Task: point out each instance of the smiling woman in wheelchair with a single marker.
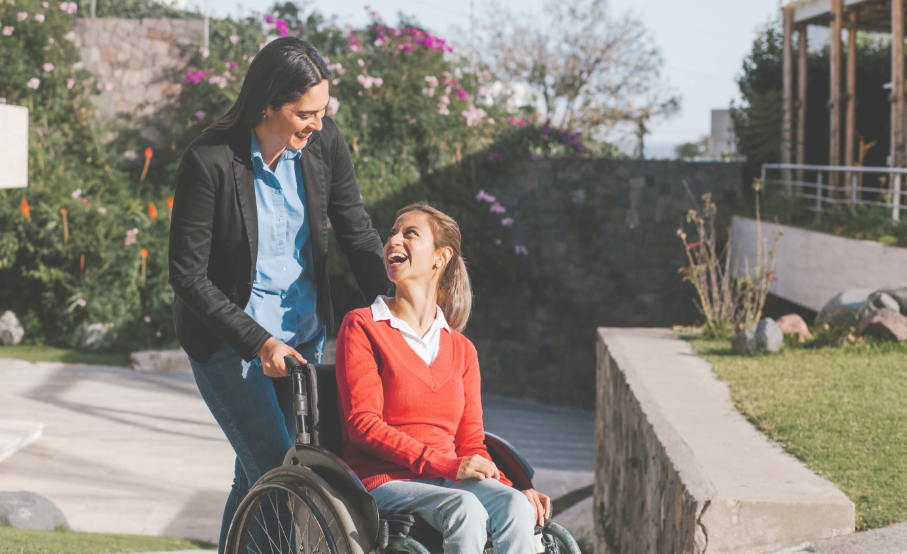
(411, 409)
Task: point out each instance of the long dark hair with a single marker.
(284, 70)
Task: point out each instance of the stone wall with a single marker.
(641, 503)
(679, 470)
(603, 251)
(139, 61)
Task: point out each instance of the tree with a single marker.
(584, 67)
(692, 150)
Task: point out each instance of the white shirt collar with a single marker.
(380, 312)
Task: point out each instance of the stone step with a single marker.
(16, 434)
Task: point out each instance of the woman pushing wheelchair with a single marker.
(411, 409)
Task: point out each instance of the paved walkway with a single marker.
(130, 452)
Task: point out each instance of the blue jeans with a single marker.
(255, 413)
(465, 512)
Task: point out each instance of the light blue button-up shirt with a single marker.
(284, 294)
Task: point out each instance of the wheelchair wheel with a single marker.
(565, 541)
(292, 510)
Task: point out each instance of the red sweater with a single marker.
(403, 419)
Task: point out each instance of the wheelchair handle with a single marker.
(300, 400)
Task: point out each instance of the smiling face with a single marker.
(290, 125)
(410, 254)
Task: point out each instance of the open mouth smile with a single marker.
(396, 258)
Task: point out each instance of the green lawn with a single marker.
(842, 411)
(29, 541)
(31, 353)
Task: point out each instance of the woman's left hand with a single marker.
(542, 505)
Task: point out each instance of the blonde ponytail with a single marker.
(454, 290)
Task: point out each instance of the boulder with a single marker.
(11, 332)
(884, 323)
(899, 294)
(28, 510)
(843, 308)
(793, 324)
(877, 301)
(762, 336)
(97, 336)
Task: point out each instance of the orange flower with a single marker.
(152, 211)
(25, 209)
(144, 259)
(148, 153)
(170, 203)
(64, 211)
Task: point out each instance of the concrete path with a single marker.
(133, 452)
(887, 540)
(16, 434)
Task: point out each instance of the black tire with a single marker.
(564, 539)
(310, 517)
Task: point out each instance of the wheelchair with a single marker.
(315, 504)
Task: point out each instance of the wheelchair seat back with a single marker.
(326, 412)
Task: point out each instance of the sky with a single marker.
(702, 42)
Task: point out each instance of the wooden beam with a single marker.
(834, 99)
(850, 135)
(788, 88)
(897, 83)
(802, 74)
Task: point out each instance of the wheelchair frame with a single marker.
(310, 451)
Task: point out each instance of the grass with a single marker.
(37, 353)
(61, 541)
(839, 410)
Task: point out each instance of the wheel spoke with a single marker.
(267, 534)
(281, 530)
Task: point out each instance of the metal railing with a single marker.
(822, 185)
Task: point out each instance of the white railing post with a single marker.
(818, 193)
(896, 200)
(853, 188)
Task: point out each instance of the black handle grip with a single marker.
(293, 364)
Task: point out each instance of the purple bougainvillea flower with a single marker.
(507, 221)
(497, 208)
(200, 114)
(497, 241)
(333, 105)
(147, 319)
(534, 158)
(462, 94)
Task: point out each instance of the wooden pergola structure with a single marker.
(871, 15)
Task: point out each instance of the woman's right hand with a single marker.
(271, 355)
(477, 467)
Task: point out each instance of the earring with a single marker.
(438, 264)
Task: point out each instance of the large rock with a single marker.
(899, 294)
(762, 336)
(11, 332)
(793, 324)
(877, 301)
(843, 308)
(27, 510)
(97, 336)
(884, 323)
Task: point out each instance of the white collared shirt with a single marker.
(426, 347)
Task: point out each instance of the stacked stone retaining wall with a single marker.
(139, 61)
(603, 251)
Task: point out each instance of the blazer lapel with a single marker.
(316, 199)
(244, 175)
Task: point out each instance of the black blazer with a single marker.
(214, 236)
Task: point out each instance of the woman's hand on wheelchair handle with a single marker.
(477, 467)
(271, 355)
(542, 504)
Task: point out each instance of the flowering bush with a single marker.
(70, 244)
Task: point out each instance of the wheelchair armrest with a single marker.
(510, 461)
